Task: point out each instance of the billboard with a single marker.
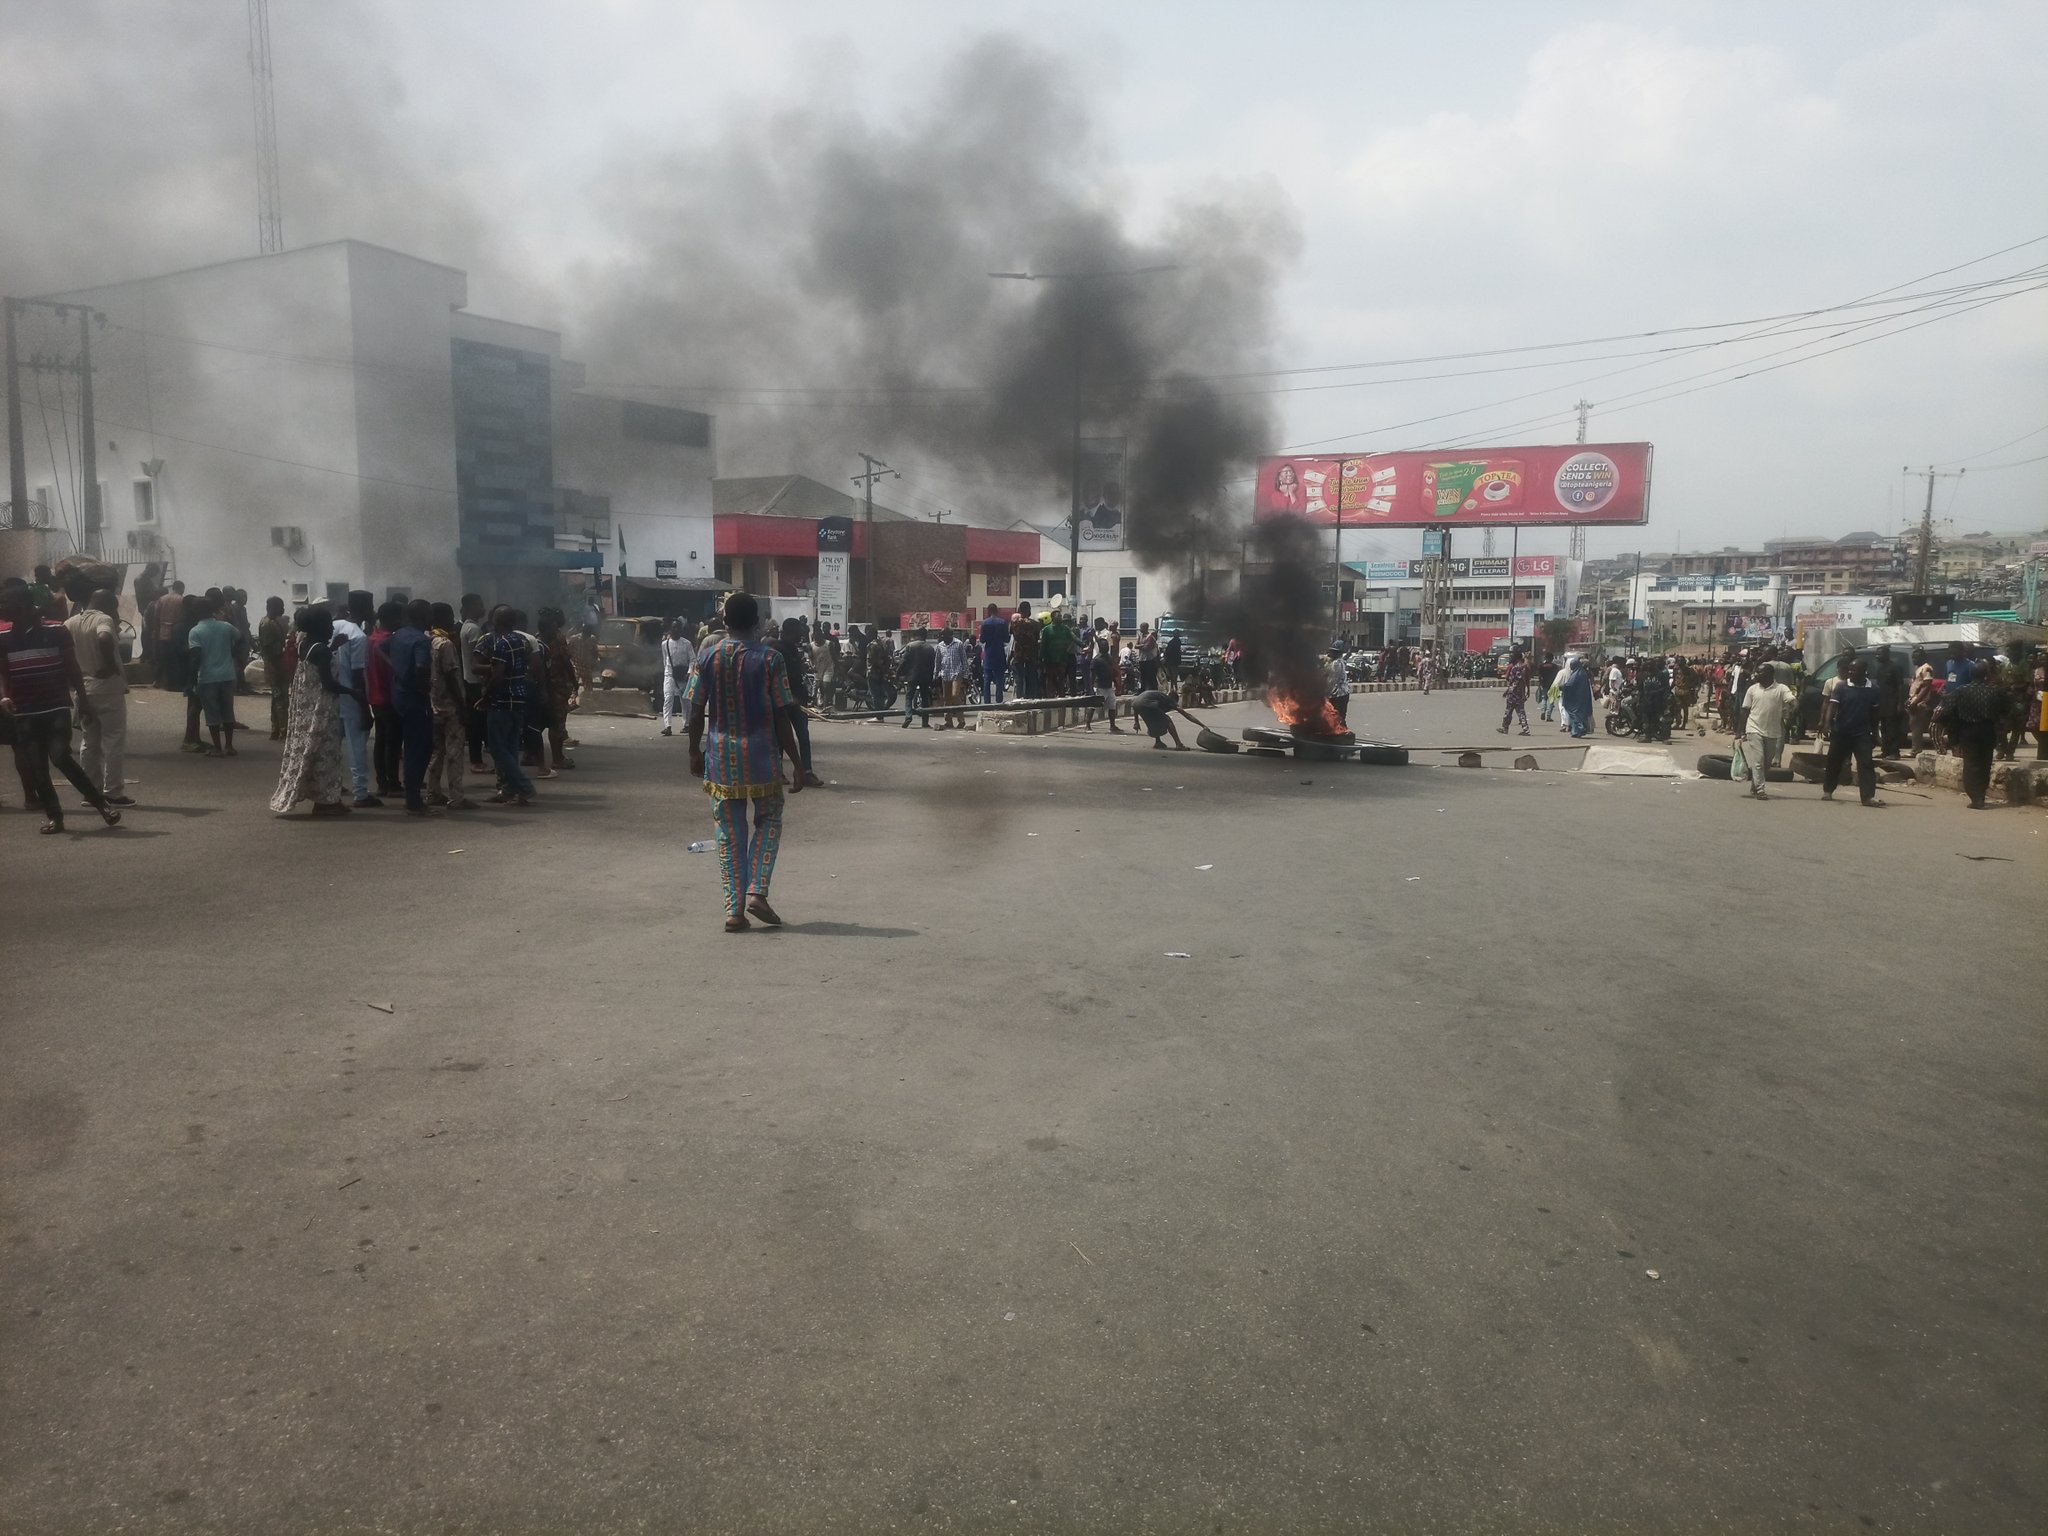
(835, 545)
(1102, 493)
(1546, 486)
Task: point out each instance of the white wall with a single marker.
(660, 492)
(206, 370)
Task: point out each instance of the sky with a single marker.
(1447, 179)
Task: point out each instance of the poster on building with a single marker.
(1548, 485)
(1102, 493)
(835, 556)
(1852, 611)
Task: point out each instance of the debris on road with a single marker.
(380, 1007)
(1204, 866)
(1178, 954)
(1653, 1274)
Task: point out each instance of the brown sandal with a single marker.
(737, 924)
(758, 905)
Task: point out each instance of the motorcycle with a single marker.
(1624, 714)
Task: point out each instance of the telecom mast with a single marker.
(269, 201)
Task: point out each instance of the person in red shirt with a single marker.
(39, 678)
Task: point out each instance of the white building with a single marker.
(303, 423)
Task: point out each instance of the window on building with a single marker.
(583, 518)
(1033, 590)
(337, 595)
(1055, 589)
(1127, 603)
(145, 503)
(664, 424)
(302, 592)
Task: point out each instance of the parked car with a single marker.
(1822, 675)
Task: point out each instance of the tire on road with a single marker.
(1384, 757)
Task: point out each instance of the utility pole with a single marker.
(269, 199)
(1074, 499)
(940, 517)
(17, 465)
(1337, 557)
(874, 469)
(88, 444)
(1585, 408)
(1926, 553)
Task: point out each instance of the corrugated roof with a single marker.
(790, 496)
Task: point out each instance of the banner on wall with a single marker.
(1102, 493)
(1551, 485)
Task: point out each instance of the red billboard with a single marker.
(1549, 486)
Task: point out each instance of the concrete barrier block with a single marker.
(2011, 783)
(1923, 767)
(1948, 771)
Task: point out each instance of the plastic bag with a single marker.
(1738, 762)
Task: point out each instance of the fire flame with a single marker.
(1308, 714)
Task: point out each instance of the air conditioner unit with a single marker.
(287, 538)
(144, 538)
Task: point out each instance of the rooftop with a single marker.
(790, 496)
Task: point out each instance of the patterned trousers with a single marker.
(747, 863)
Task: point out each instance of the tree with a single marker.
(1557, 634)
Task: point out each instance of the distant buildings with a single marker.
(333, 417)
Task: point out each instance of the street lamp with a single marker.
(1074, 510)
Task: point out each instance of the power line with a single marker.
(1999, 449)
(836, 394)
(1614, 373)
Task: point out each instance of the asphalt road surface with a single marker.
(1508, 1151)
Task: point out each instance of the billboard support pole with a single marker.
(1337, 558)
(1514, 593)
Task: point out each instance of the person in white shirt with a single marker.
(1768, 704)
(678, 660)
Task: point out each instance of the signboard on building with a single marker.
(1433, 542)
(835, 556)
(1549, 485)
(1854, 611)
(664, 570)
(936, 621)
(1102, 493)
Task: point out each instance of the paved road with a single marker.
(961, 1204)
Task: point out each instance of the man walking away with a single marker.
(995, 644)
(741, 708)
(1170, 660)
(38, 676)
(1546, 676)
(1920, 700)
(502, 657)
(678, 661)
(95, 641)
(1766, 708)
(168, 615)
(1515, 697)
(1102, 678)
(1858, 707)
(273, 632)
(1970, 713)
(918, 666)
(412, 686)
(212, 643)
(351, 666)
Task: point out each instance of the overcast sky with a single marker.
(1462, 176)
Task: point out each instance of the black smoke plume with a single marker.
(821, 278)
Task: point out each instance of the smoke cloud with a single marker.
(824, 274)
